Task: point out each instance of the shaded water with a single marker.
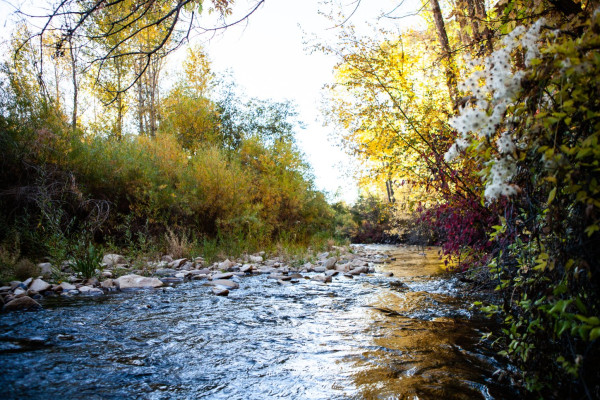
(361, 338)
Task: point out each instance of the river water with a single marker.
(359, 338)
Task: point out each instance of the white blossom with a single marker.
(494, 84)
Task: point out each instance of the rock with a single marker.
(92, 282)
(187, 266)
(24, 303)
(90, 291)
(347, 275)
(284, 282)
(113, 259)
(198, 277)
(226, 265)
(330, 263)
(177, 263)
(358, 271)
(107, 284)
(45, 269)
(220, 291)
(225, 283)
(5, 289)
(67, 286)
(399, 285)
(171, 279)
(296, 276)
(255, 259)
(321, 278)
(19, 291)
(388, 274)
(203, 271)
(320, 268)
(166, 258)
(165, 272)
(226, 275)
(136, 282)
(247, 268)
(107, 274)
(39, 285)
(266, 270)
(26, 283)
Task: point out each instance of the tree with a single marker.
(121, 22)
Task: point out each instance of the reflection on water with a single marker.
(361, 338)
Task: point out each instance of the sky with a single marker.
(269, 59)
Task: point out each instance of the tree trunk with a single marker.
(445, 45)
(75, 88)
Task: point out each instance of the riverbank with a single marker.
(117, 274)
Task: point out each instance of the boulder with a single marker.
(330, 263)
(165, 272)
(331, 272)
(220, 291)
(203, 271)
(90, 291)
(320, 268)
(226, 265)
(19, 292)
(107, 274)
(359, 270)
(39, 285)
(225, 283)
(171, 279)
(45, 269)
(113, 259)
(177, 263)
(66, 286)
(107, 284)
(136, 282)
(255, 259)
(321, 278)
(247, 268)
(24, 303)
(225, 275)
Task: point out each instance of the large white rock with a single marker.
(137, 282)
(39, 285)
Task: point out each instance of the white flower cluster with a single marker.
(493, 85)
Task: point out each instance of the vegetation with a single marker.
(191, 169)
(491, 118)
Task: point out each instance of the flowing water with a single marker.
(356, 338)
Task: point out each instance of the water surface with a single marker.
(367, 337)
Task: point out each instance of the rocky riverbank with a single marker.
(116, 274)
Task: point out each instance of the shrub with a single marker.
(25, 269)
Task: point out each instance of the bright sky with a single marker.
(269, 59)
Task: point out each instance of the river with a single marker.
(361, 338)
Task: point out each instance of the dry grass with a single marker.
(177, 246)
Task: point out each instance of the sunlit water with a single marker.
(360, 338)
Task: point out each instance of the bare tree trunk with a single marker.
(140, 100)
(445, 45)
(75, 88)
